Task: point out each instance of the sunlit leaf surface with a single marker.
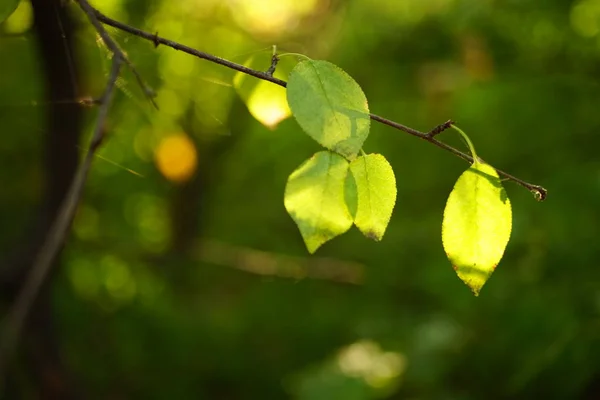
(477, 224)
(265, 101)
(376, 188)
(314, 198)
(330, 106)
(7, 7)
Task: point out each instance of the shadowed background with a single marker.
(184, 277)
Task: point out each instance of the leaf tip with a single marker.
(474, 284)
(314, 242)
(312, 248)
(373, 235)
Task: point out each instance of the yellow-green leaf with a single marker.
(329, 106)
(376, 189)
(265, 101)
(314, 198)
(7, 7)
(477, 224)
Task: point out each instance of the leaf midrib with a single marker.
(329, 103)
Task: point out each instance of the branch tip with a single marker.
(539, 192)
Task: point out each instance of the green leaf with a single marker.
(376, 188)
(7, 7)
(330, 106)
(477, 224)
(314, 198)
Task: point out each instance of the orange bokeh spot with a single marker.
(176, 157)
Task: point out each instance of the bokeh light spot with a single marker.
(585, 18)
(149, 214)
(176, 158)
(268, 104)
(270, 16)
(366, 360)
(118, 279)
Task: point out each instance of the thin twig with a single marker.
(114, 48)
(538, 191)
(13, 325)
(157, 40)
(57, 234)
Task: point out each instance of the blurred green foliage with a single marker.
(191, 281)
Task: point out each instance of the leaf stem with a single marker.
(307, 58)
(469, 143)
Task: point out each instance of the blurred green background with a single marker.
(184, 277)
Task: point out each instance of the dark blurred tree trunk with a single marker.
(592, 390)
(54, 31)
(189, 198)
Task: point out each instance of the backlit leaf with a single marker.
(7, 7)
(376, 188)
(314, 198)
(477, 224)
(330, 106)
(265, 101)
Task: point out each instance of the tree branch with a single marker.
(57, 234)
(157, 40)
(538, 191)
(114, 48)
(13, 325)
